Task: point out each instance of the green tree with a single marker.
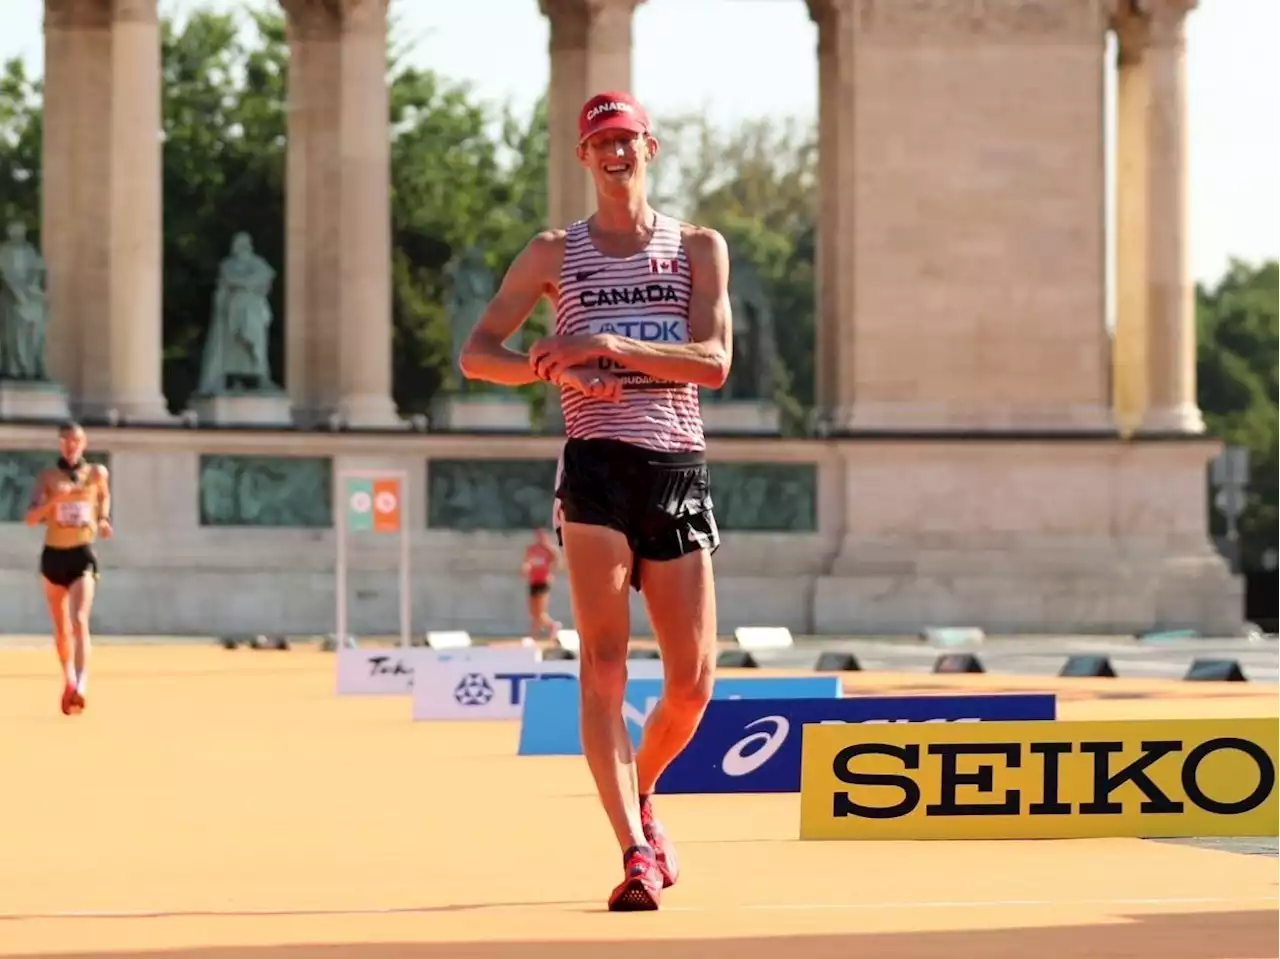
(1237, 321)
(452, 190)
(757, 185)
(223, 83)
(20, 135)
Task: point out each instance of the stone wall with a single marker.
(232, 531)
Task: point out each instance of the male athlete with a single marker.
(73, 501)
(539, 566)
(642, 321)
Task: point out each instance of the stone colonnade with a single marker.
(101, 222)
(961, 267)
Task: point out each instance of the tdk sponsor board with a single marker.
(550, 725)
(389, 671)
(487, 690)
(754, 746)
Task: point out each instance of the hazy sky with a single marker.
(762, 61)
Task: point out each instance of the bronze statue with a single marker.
(235, 352)
(23, 308)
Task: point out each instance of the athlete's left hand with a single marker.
(552, 355)
(104, 528)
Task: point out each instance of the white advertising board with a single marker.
(488, 690)
(390, 671)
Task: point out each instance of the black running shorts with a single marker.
(62, 567)
(660, 501)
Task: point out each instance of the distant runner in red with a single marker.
(642, 323)
(541, 560)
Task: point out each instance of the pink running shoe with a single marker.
(663, 848)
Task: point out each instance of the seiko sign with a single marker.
(1016, 780)
(984, 762)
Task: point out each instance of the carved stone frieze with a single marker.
(575, 23)
(834, 19)
(1140, 24)
(906, 20)
(70, 14)
(329, 19)
(1167, 21)
(135, 11)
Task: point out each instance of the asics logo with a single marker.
(737, 763)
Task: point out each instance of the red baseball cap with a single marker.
(612, 110)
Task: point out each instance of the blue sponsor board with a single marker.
(549, 724)
(754, 747)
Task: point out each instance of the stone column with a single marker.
(1171, 347)
(135, 341)
(1129, 349)
(964, 241)
(590, 52)
(77, 44)
(300, 307)
(339, 213)
(101, 217)
(833, 314)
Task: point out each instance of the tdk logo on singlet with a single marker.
(621, 296)
(649, 329)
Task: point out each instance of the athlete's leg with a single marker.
(535, 620)
(680, 597)
(538, 618)
(598, 561)
(544, 612)
(57, 599)
(679, 593)
(82, 593)
(593, 491)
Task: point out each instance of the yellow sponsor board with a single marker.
(1040, 780)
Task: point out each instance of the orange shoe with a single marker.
(68, 698)
(641, 890)
(77, 702)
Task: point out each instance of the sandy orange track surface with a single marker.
(227, 805)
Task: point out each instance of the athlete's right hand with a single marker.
(593, 382)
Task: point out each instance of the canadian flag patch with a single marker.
(664, 266)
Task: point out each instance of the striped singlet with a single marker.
(645, 297)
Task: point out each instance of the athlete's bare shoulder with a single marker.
(548, 244)
(542, 257)
(552, 239)
(99, 472)
(703, 243)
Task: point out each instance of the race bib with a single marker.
(74, 514)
